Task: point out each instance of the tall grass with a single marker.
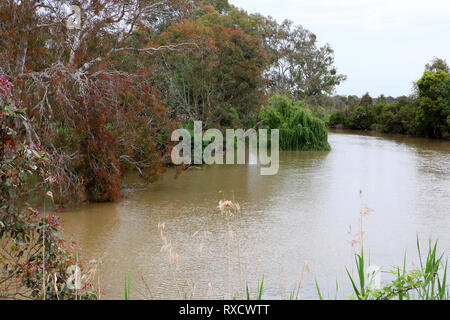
(259, 291)
(427, 282)
(299, 128)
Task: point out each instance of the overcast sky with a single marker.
(381, 45)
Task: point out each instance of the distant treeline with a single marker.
(426, 112)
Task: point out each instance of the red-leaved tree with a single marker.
(88, 98)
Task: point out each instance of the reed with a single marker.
(259, 291)
(126, 295)
(427, 282)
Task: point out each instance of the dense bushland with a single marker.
(222, 76)
(104, 98)
(425, 113)
(93, 111)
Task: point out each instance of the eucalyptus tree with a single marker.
(302, 68)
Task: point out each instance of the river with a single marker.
(301, 215)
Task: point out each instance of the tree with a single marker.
(437, 64)
(382, 99)
(94, 113)
(366, 100)
(353, 101)
(254, 24)
(361, 118)
(434, 103)
(298, 67)
(220, 75)
(299, 128)
(222, 6)
(301, 68)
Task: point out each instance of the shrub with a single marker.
(336, 119)
(360, 119)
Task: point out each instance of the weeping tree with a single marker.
(299, 128)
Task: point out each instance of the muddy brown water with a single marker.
(301, 214)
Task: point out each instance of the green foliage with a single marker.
(434, 103)
(366, 100)
(256, 25)
(321, 113)
(396, 117)
(336, 118)
(219, 80)
(427, 282)
(222, 6)
(437, 64)
(361, 118)
(301, 67)
(259, 291)
(361, 290)
(427, 114)
(299, 129)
